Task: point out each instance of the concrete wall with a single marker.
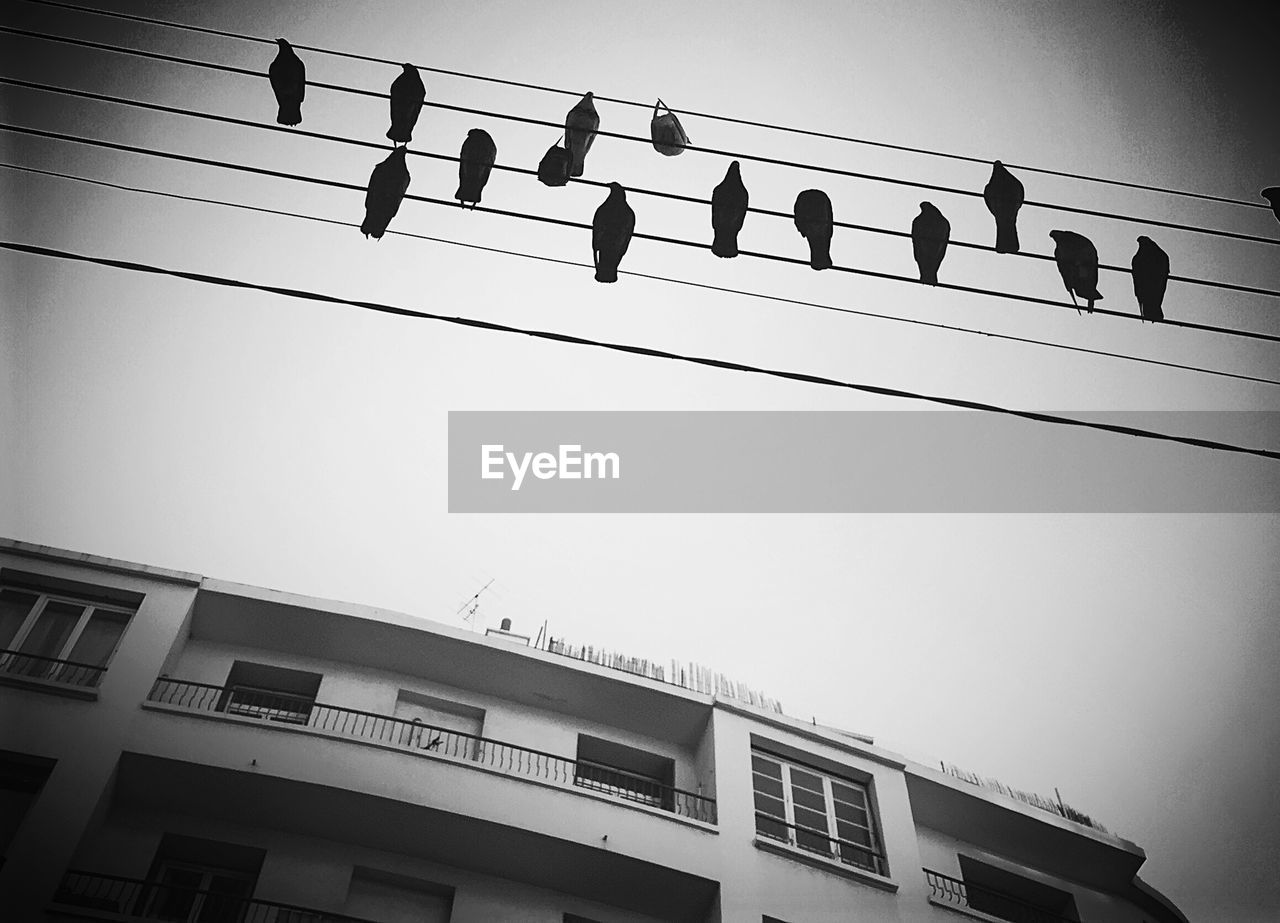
(82, 735)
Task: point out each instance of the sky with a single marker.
(1130, 661)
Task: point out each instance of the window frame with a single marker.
(58, 662)
(858, 856)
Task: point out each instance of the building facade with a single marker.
(181, 748)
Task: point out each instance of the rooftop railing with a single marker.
(414, 736)
(17, 663)
(135, 898)
(971, 896)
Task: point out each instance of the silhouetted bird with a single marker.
(580, 125)
(474, 165)
(553, 169)
(1003, 195)
(728, 211)
(407, 97)
(289, 82)
(1150, 278)
(1272, 195)
(387, 186)
(1077, 260)
(611, 230)
(930, 233)
(814, 220)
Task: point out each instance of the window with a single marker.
(377, 895)
(200, 881)
(60, 631)
(627, 772)
(258, 690)
(1011, 897)
(443, 727)
(21, 778)
(815, 811)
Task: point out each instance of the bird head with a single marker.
(1272, 195)
(616, 191)
(1145, 241)
(408, 68)
(927, 207)
(735, 169)
(1057, 236)
(284, 45)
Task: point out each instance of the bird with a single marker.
(580, 125)
(1272, 195)
(553, 169)
(728, 211)
(475, 163)
(611, 230)
(387, 186)
(1150, 278)
(814, 220)
(930, 233)
(1003, 195)
(289, 82)
(407, 96)
(1077, 260)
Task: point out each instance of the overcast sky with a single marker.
(1131, 661)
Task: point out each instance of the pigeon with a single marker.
(728, 211)
(1272, 195)
(580, 125)
(407, 97)
(474, 165)
(1077, 260)
(814, 220)
(611, 233)
(387, 185)
(930, 233)
(1150, 278)
(289, 82)
(553, 169)
(1003, 195)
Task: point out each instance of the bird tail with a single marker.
(819, 253)
(468, 192)
(289, 114)
(1151, 312)
(606, 271)
(725, 245)
(1006, 236)
(371, 228)
(929, 275)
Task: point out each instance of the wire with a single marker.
(757, 158)
(668, 279)
(643, 105)
(638, 350)
(247, 123)
(187, 158)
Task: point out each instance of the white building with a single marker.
(181, 748)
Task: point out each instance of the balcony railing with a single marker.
(135, 898)
(817, 841)
(16, 663)
(966, 894)
(415, 736)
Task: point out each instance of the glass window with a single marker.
(15, 606)
(53, 636)
(815, 811)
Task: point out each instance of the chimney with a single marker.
(505, 632)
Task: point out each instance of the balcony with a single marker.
(412, 736)
(962, 895)
(19, 668)
(110, 897)
(818, 842)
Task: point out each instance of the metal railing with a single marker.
(817, 841)
(152, 900)
(16, 663)
(414, 735)
(966, 894)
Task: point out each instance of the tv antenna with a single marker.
(472, 604)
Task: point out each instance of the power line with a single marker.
(668, 279)
(477, 324)
(644, 105)
(757, 158)
(248, 123)
(1029, 299)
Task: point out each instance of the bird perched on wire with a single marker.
(580, 126)
(815, 221)
(1272, 195)
(289, 82)
(1004, 195)
(474, 165)
(611, 230)
(407, 96)
(1150, 278)
(930, 234)
(387, 186)
(1077, 260)
(728, 210)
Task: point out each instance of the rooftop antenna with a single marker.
(472, 604)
